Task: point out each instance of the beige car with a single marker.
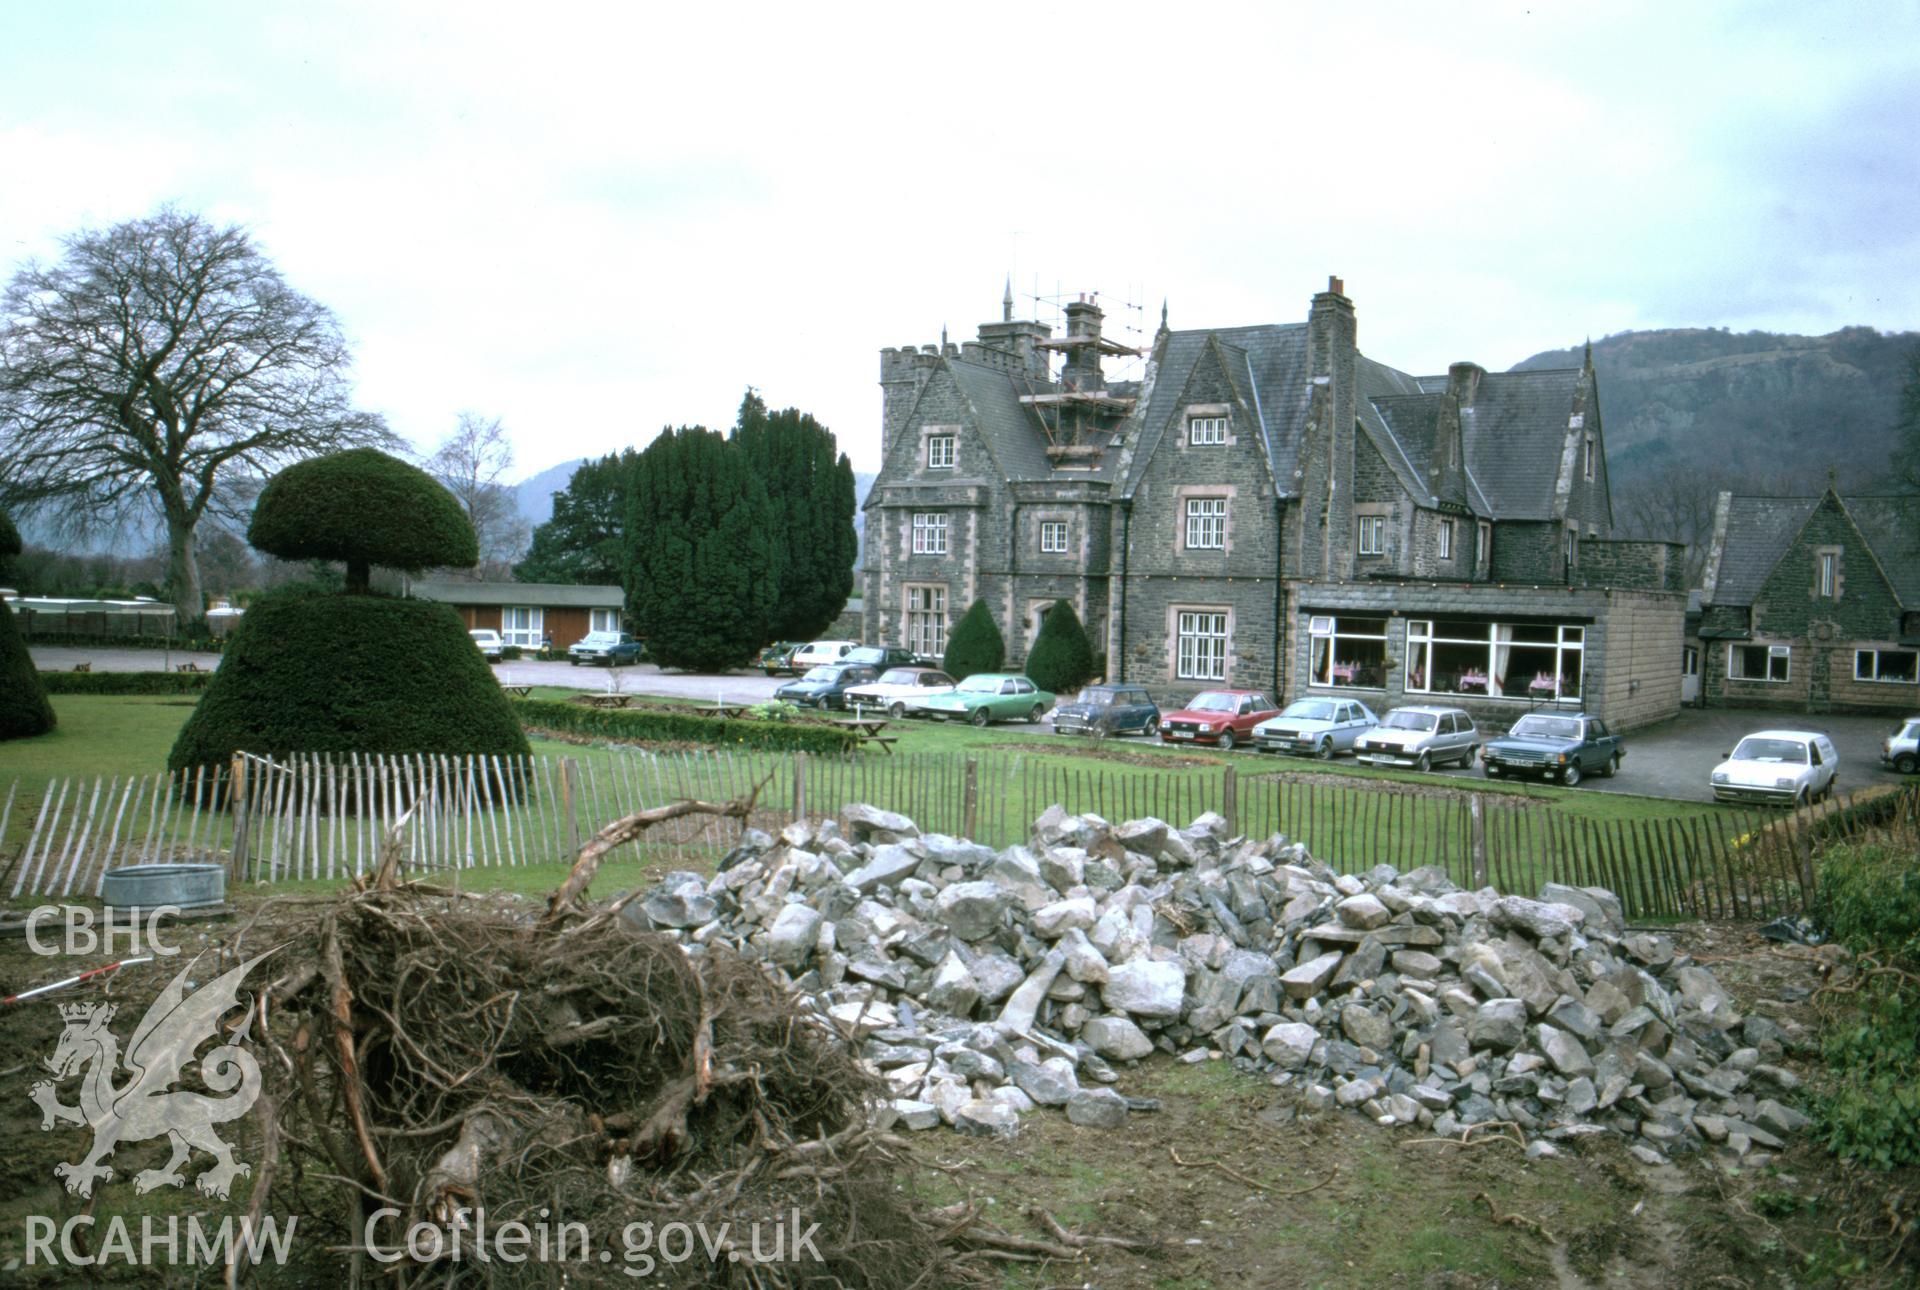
(814, 653)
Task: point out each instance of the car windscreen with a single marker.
(1310, 710)
(1546, 728)
(900, 676)
(1776, 750)
(1410, 721)
(1096, 696)
(979, 685)
(1214, 701)
(821, 673)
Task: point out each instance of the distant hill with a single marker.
(1748, 407)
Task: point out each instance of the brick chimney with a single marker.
(1082, 371)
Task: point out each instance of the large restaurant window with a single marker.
(1538, 661)
(927, 619)
(1347, 652)
(1898, 666)
(1202, 646)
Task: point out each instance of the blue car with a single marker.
(615, 649)
(826, 686)
(1102, 710)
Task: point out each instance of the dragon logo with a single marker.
(146, 1105)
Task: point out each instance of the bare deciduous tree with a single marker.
(163, 365)
(474, 462)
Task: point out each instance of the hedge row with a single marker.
(673, 727)
(126, 682)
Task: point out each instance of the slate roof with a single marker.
(1514, 435)
(1013, 430)
(1272, 380)
(1761, 529)
(551, 595)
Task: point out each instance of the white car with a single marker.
(1323, 727)
(1789, 767)
(814, 653)
(897, 688)
(489, 642)
(1421, 738)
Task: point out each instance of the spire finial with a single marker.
(1163, 313)
(1589, 351)
(1006, 302)
(943, 338)
(1832, 478)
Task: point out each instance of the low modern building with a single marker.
(1269, 508)
(529, 613)
(1812, 604)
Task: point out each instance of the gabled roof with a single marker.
(1515, 435)
(1013, 430)
(1760, 531)
(1272, 379)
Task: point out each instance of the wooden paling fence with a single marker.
(313, 817)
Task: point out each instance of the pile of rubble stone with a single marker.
(984, 983)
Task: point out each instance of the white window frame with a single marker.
(1200, 644)
(1053, 537)
(1324, 634)
(1446, 539)
(924, 609)
(1827, 566)
(1372, 538)
(1570, 549)
(1782, 653)
(1872, 674)
(941, 452)
(1588, 469)
(603, 620)
(523, 625)
(1206, 431)
(1482, 542)
(929, 532)
(1206, 525)
(1569, 646)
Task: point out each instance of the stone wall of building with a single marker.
(1650, 566)
(1526, 552)
(1641, 656)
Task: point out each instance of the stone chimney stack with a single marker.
(1463, 382)
(1082, 371)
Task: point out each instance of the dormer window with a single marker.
(940, 453)
(1202, 431)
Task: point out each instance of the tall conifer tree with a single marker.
(810, 495)
(701, 573)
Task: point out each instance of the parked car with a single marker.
(1421, 738)
(1223, 717)
(897, 686)
(1790, 767)
(882, 656)
(777, 658)
(611, 648)
(814, 653)
(987, 696)
(1323, 727)
(826, 686)
(1902, 748)
(489, 642)
(1562, 746)
(1102, 710)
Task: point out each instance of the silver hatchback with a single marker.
(1421, 738)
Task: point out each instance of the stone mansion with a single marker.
(1268, 508)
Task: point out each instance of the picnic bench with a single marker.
(188, 666)
(604, 700)
(867, 731)
(83, 667)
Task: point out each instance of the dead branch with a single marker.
(1516, 1220)
(625, 830)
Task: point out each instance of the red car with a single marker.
(1223, 717)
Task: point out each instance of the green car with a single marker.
(777, 658)
(988, 696)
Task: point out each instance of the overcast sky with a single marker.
(592, 221)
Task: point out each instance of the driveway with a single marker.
(643, 678)
(61, 658)
(1674, 758)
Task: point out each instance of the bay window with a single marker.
(1535, 661)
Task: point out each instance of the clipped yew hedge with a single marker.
(126, 682)
(642, 726)
(318, 672)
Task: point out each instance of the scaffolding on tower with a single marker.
(1079, 413)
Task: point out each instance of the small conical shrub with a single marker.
(24, 710)
(1062, 657)
(975, 644)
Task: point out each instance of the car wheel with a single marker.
(1098, 730)
(1466, 758)
(1226, 740)
(1423, 763)
(572, 661)
(979, 717)
(896, 710)
(1906, 763)
(1152, 727)
(1039, 711)
(1325, 751)
(1571, 775)
(1611, 768)
(1801, 798)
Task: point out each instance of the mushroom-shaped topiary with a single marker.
(365, 508)
(309, 671)
(24, 709)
